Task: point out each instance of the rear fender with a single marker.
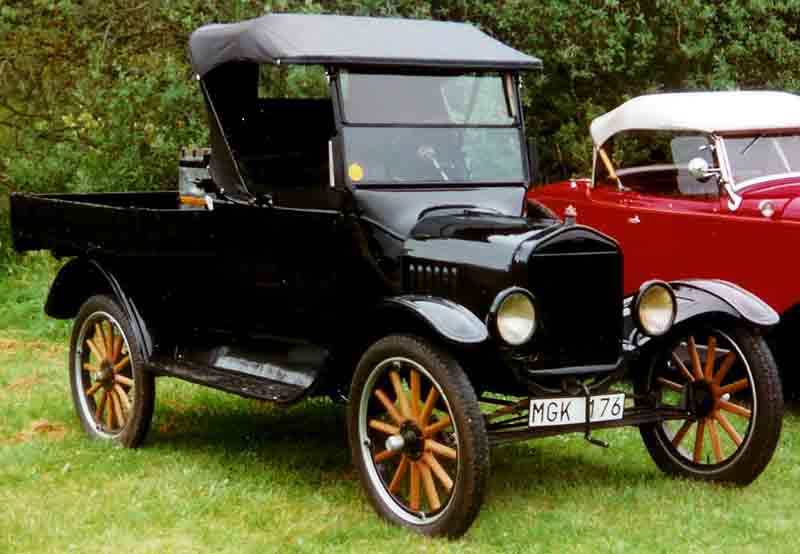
(81, 278)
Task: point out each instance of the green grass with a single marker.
(222, 474)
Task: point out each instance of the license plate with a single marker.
(566, 411)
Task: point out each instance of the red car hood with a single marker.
(782, 193)
(779, 187)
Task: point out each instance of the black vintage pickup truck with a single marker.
(374, 245)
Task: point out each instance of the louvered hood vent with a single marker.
(434, 279)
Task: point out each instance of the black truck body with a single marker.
(375, 246)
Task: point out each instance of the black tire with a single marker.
(736, 413)
(781, 342)
(105, 359)
(430, 439)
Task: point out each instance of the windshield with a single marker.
(426, 99)
(656, 163)
(431, 128)
(758, 156)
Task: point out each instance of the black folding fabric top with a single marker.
(345, 40)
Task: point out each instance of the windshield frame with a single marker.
(511, 86)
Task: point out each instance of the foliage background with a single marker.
(98, 95)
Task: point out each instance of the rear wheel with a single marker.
(728, 383)
(112, 393)
(417, 436)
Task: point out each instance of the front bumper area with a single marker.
(517, 429)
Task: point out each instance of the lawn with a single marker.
(223, 474)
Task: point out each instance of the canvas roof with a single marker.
(353, 41)
(711, 112)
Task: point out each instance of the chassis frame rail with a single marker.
(519, 431)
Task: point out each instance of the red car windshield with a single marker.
(756, 157)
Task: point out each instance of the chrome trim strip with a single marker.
(330, 164)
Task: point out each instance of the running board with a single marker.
(278, 370)
(230, 381)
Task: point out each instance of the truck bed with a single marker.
(121, 223)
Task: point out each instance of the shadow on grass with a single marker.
(302, 448)
(309, 442)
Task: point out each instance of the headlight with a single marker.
(655, 308)
(513, 316)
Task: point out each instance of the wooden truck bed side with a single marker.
(128, 224)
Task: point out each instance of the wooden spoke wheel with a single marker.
(417, 436)
(728, 385)
(111, 393)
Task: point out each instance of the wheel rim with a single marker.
(415, 479)
(104, 376)
(712, 379)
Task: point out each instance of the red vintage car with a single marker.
(700, 185)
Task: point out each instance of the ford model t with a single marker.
(375, 245)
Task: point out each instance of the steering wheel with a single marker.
(428, 152)
(408, 160)
(412, 157)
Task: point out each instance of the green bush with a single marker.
(23, 291)
(98, 94)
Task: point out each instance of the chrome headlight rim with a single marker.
(495, 313)
(644, 292)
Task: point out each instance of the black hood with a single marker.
(472, 238)
(471, 256)
(493, 241)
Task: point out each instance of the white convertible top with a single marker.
(711, 112)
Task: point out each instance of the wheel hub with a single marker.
(106, 375)
(413, 440)
(702, 398)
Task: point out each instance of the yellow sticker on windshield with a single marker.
(356, 172)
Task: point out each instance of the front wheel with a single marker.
(728, 384)
(417, 436)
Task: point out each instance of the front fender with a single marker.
(447, 319)
(81, 278)
(701, 298)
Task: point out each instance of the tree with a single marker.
(98, 94)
